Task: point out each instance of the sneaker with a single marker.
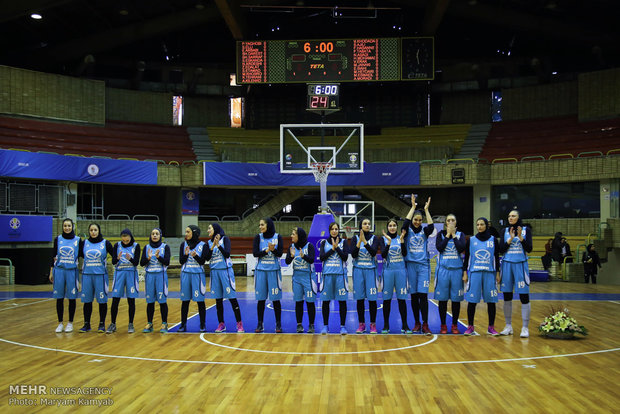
(373, 328)
(240, 327)
(164, 328)
(361, 329)
(385, 330)
(220, 328)
(425, 329)
(203, 328)
(101, 328)
(311, 329)
(469, 331)
(182, 328)
(85, 328)
(444, 329)
(343, 330)
(405, 330)
(259, 328)
(455, 329)
(149, 328)
(492, 331)
(59, 328)
(278, 328)
(507, 330)
(300, 328)
(417, 327)
(324, 330)
(525, 333)
(111, 328)
(69, 327)
(130, 328)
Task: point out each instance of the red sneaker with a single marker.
(417, 328)
(425, 329)
(455, 329)
(444, 329)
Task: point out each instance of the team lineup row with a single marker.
(468, 268)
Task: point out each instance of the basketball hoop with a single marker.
(321, 171)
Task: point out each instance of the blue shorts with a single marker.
(418, 277)
(515, 276)
(125, 283)
(481, 283)
(94, 286)
(66, 283)
(395, 279)
(449, 284)
(223, 283)
(268, 283)
(193, 286)
(156, 287)
(365, 283)
(334, 286)
(304, 286)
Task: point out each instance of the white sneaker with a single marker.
(69, 327)
(525, 333)
(59, 328)
(507, 330)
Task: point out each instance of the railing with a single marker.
(11, 270)
(118, 217)
(145, 217)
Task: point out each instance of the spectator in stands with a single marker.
(267, 276)
(566, 253)
(301, 254)
(333, 254)
(95, 276)
(125, 283)
(492, 230)
(515, 243)
(64, 272)
(364, 248)
(222, 276)
(591, 263)
(548, 257)
(156, 258)
(556, 247)
(192, 256)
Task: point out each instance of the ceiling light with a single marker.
(36, 16)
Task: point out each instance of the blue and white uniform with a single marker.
(365, 284)
(334, 275)
(65, 271)
(193, 280)
(417, 258)
(449, 269)
(515, 273)
(125, 282)
(156, 276)
(304, 277)
(482, 261)
(394, 275)
(221, 270)
(267, 275)
(94, 272)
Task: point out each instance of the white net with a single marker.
(321, 171)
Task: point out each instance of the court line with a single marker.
(25, 304)
(306, 365)
(202, 338)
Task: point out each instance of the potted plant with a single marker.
(560, 325)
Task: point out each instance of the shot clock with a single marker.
(323, 96)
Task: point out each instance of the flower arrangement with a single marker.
(559, 324)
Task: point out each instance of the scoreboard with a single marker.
(335, 60)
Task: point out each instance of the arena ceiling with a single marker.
(113, 39)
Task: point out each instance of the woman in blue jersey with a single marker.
(95, 276)
(301, 254)
(482, 264)
(418, 263)
(364, 248)
(64, 272)
(267, 249)
(394, 274)
(192, 256)
(333, 254)
(450, 243)
(222, 276)
(156, 259)
(515, 243)
(125, 258)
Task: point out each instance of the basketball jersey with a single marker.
(192, 266)
(450, 258)
(394, 259)
(334, 264)
(67, 254)
(217, 258)
(515, 252)
(124, 263)
(481, 255)
(416, 246)
(299, 264)
(364, 259)
(155, 265)
(94, 258)
(270, 261)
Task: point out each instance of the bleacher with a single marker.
(551, 137)
(124, 140)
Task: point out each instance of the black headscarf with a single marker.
(71, 234)
(195, 236)
(414, 228)
(271, 228)
(331, 240)
(484, 235)
(156, 244)
(302, 238)
(98, 238)
(127, 232)
(217, 229)
(367, 234)
(519, 222)
(589, 248)
(392, 235)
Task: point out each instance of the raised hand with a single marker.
(186, 250)
(427, 204)
(271, 247)
(413, 203)
(217, 238)
(156, 254)
(127, 256)
(292, 250)
(389, 239)
(335, 242)
(403, 233)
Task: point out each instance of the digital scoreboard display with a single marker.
(323, 96)
(340, 60)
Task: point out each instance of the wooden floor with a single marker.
(313, 373)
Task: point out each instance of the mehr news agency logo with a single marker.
(43, 395)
